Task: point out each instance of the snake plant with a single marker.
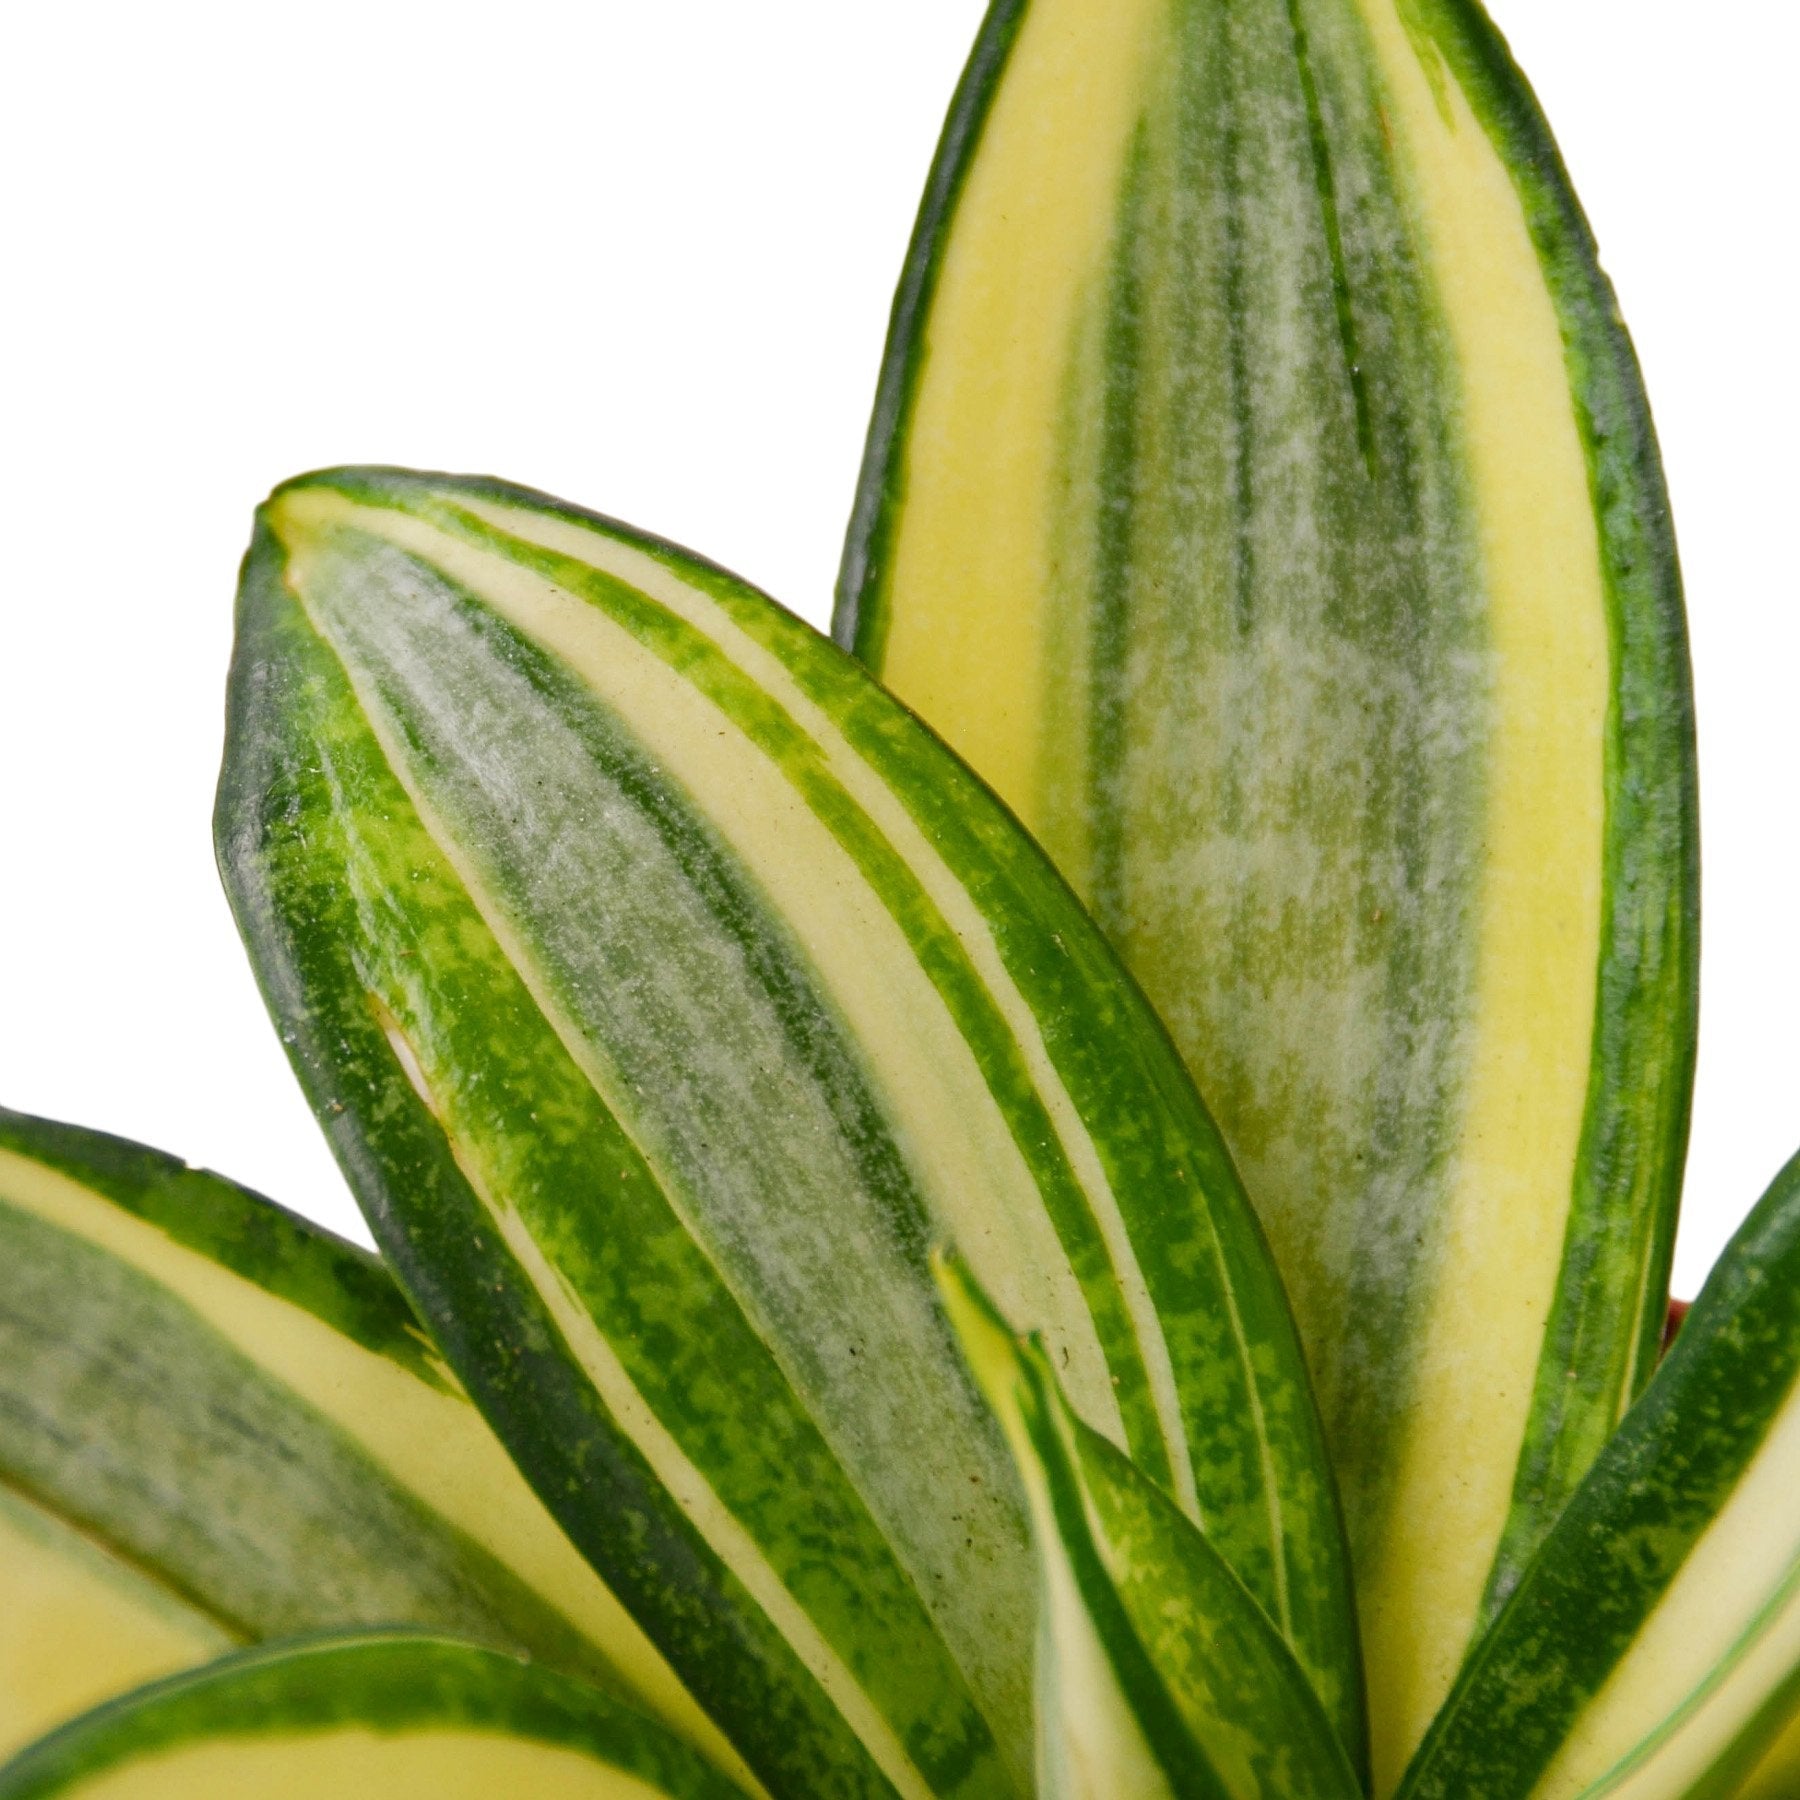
(1070, 1195)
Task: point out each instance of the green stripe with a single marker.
(860, 621)
(1188, 1770)
(1777, 1775)
(387, 1688)
(1103, 821)
(1578, 1608)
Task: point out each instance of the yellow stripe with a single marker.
(971, 563)
(973, 934)
(1538, 936)
(413, 1765)
(1692, 1675)
(77, 1626)
(432, 1443)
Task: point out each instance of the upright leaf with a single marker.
(219, 1424)
(1159, 1677)
(379, 1717)
(1261, 495)
(666, 990)
(1651, 1650)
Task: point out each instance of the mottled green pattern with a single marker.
(387, 1685)
(1218, 1697)
(738, 1086)
(1577, 1609)
(728, 1133)
(1269, 554)
(124, 1412)
(1265, 1730)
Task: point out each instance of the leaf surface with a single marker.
(79, 1623)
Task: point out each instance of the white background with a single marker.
(641, 255)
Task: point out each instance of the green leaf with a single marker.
(666, 990)
(218, 1424)
(1158, 1674)
(385, 1715)
(1651, 1650)
(1261, 495)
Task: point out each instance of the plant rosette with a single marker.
(1068, 1195)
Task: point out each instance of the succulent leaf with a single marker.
(219, 1424)
(1651, 1650)
(375, 1717)
(665, 990)
(1158, 1673)
(1261, 494)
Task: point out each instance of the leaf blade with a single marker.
(1256, 450)
(376, 1713)
(221, 1424)
(1652, 1645)
(608, 837)
(79, 1625)
(1158, 1672)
